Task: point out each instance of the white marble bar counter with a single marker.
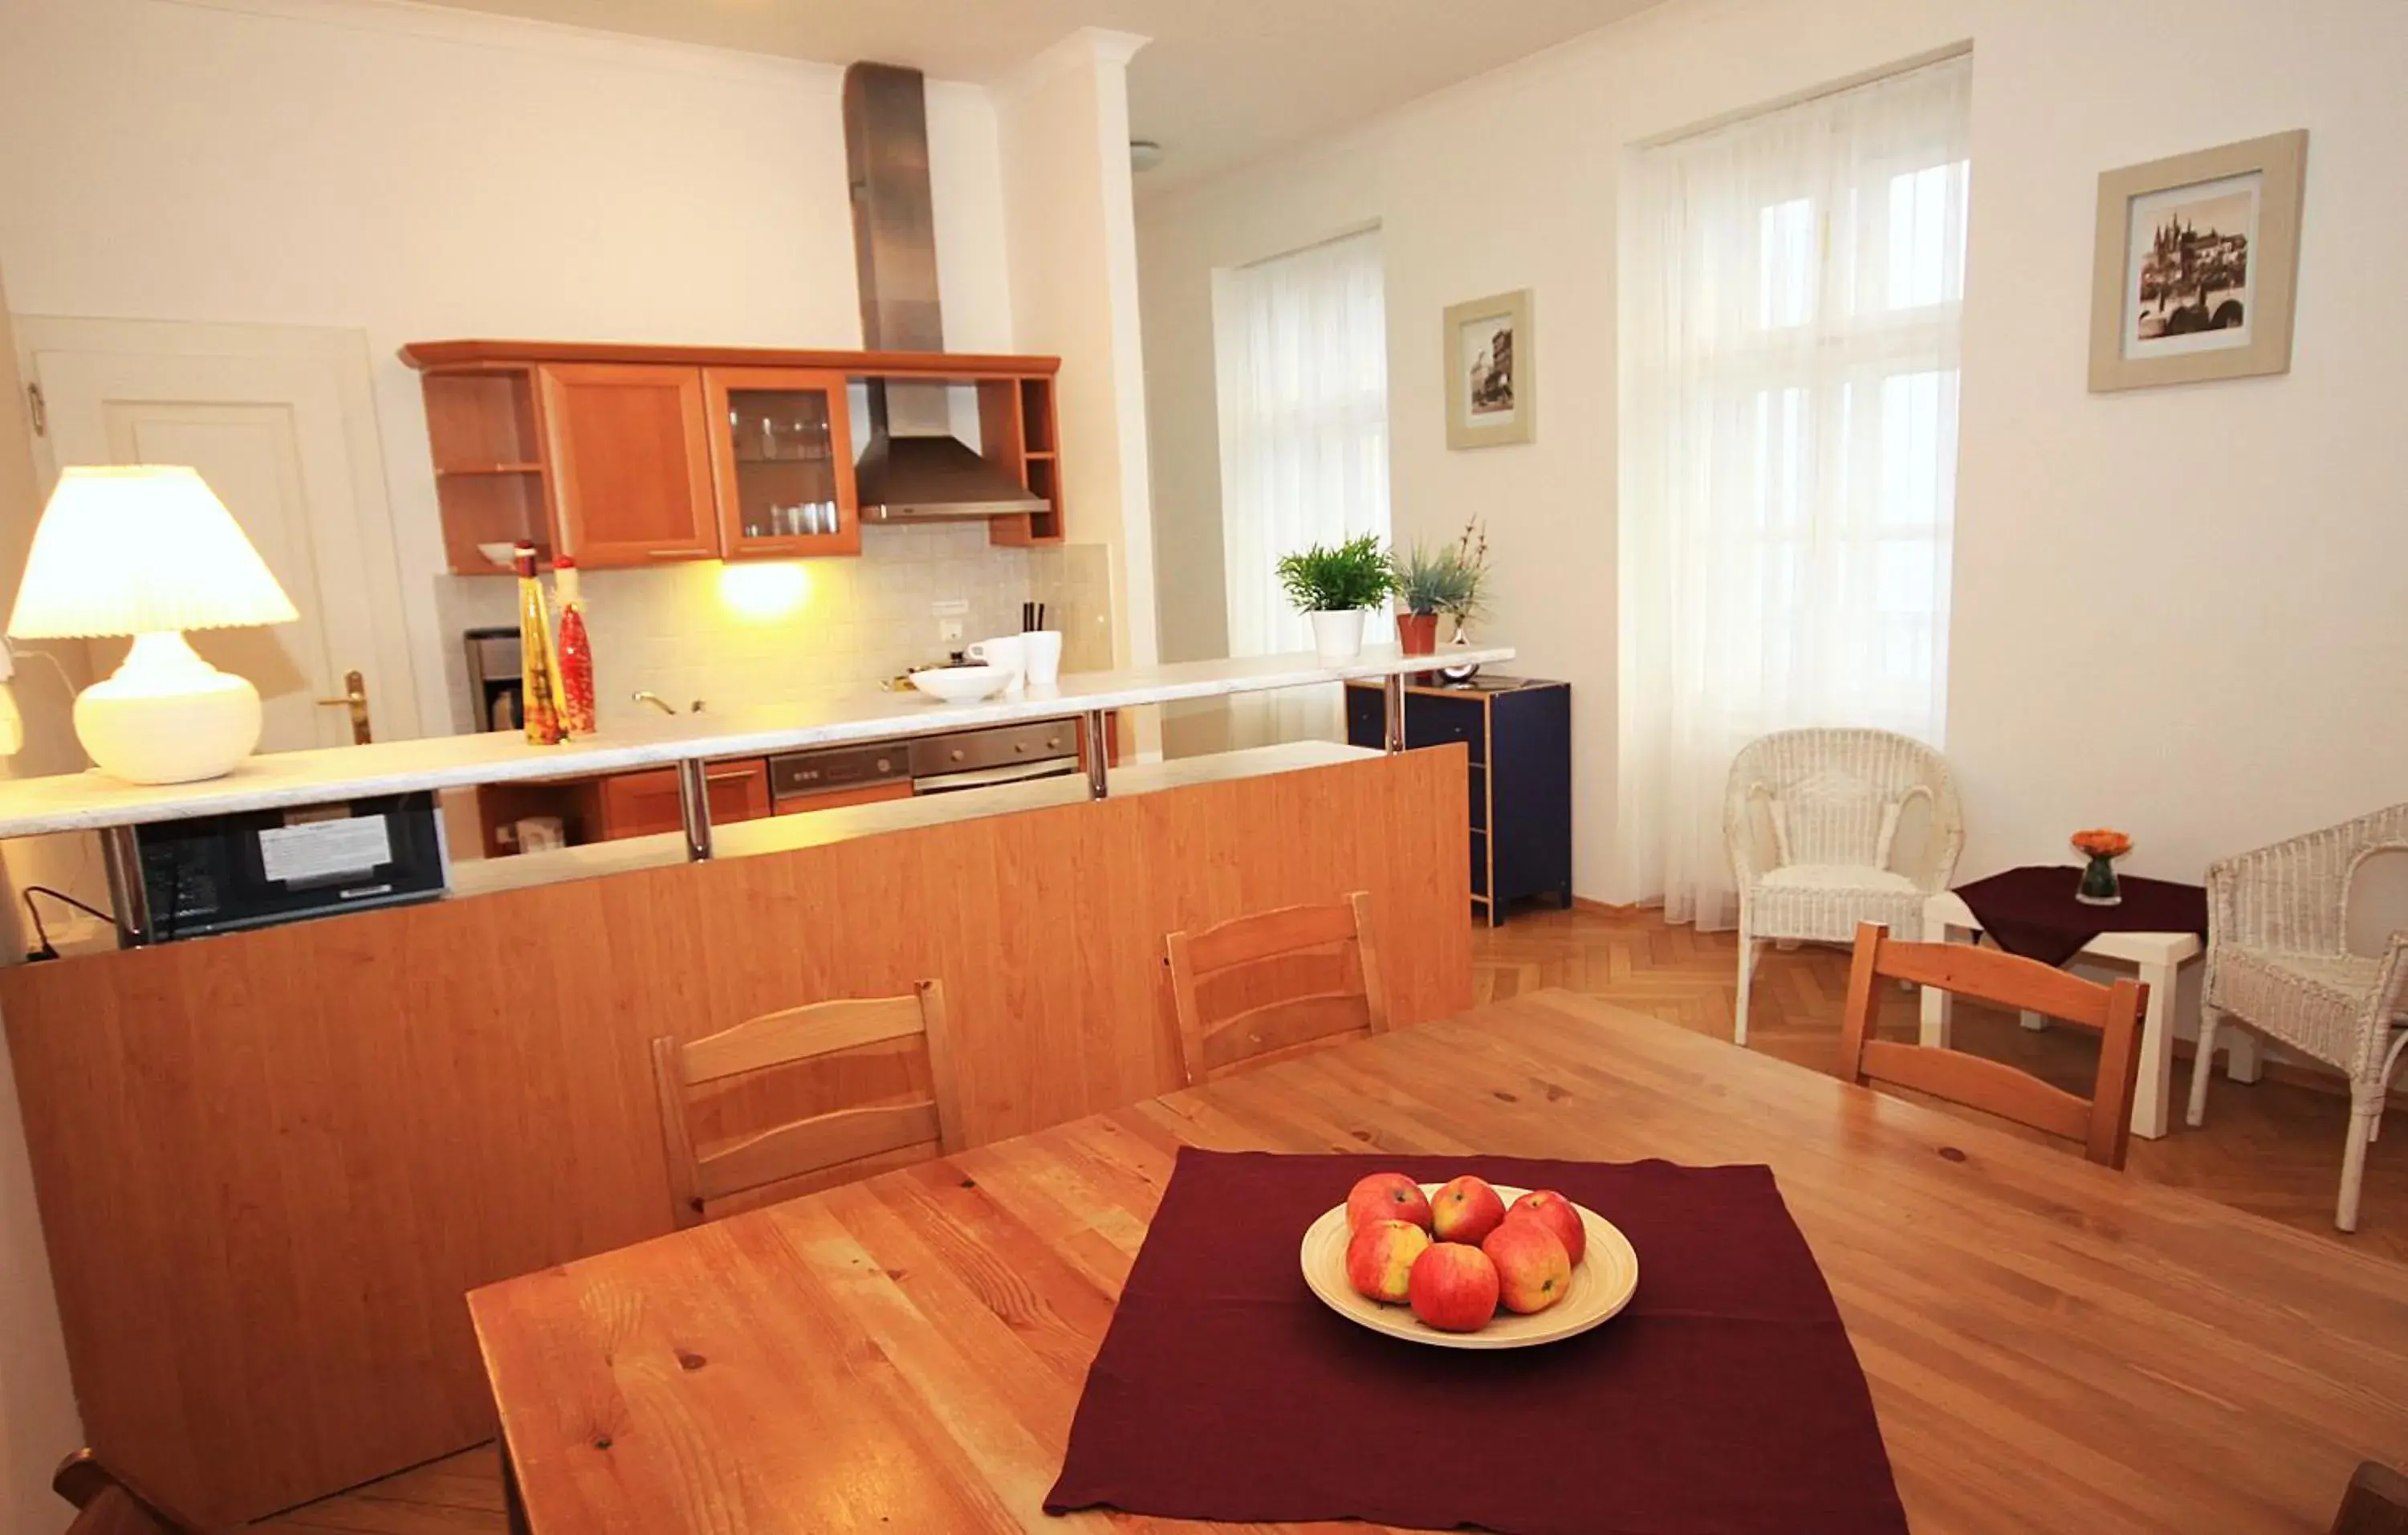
(92, 802)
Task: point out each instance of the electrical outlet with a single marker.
(949, 612)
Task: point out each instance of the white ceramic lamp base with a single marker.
(167, 716)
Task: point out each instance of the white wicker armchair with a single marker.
(1828, 828)
(2278, 962)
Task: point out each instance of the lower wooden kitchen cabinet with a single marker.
(641, 804)
(601, 810)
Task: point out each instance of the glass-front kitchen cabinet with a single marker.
(781, 455)
(643, 455)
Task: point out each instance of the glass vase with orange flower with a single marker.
(2099, 887)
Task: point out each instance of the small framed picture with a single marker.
(1492, 390)
(2197, 266)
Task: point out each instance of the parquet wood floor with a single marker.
(2272, 1148)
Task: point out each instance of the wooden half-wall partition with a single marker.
(270, 1165)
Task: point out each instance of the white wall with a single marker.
(37, 1410)
(1508, 181)
(422, 173)
(2175, 611)
(2179, 611)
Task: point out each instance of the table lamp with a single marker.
(150, 550)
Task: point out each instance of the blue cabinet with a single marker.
(1519, 734)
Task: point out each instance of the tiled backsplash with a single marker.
(765, 633)
(1075, 583)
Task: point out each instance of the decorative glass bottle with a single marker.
(576, 651)
(538, 674)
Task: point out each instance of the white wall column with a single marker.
(1071, 231)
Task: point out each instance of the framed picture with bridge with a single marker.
(2197, 268)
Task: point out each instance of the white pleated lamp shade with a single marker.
(141, 549)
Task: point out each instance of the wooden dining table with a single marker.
(2051, 1345)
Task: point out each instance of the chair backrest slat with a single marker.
(1266, 934)
(1278, 1026)
(823, 1140)
(797, 1034)
(811, 1144)
(2103, 1121)
(1976, 1083)
(1212, 1039)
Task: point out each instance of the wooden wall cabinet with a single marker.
(781, 455)
(630, 455)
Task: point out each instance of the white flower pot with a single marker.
(1337, 637)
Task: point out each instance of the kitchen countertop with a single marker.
(90, 801)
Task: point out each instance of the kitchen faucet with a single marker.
(646, 696)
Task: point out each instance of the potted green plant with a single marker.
(1333, 586)
(1427, 582)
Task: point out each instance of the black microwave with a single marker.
(222, 873)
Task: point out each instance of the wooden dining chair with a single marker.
(2102, 1122)
(2376, 1502)
(107, 1504)
(823, 1140)
(1224, 1022)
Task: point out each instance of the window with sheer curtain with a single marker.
(1301, 352)
(1792, 289)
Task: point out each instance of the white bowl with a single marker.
(1603, 1284)
(961, 684)
(503, 556)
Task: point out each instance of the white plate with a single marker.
(961, 684)
(1603, 1282)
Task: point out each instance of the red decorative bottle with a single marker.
(576, 651)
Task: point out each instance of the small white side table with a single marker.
(1946, 919)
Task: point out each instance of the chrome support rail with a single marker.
(1099, 750)
(694, 807)
(1395, 693)
(129, 894)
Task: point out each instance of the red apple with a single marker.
(1556, 1213)
(1466, 1211)
(1387, 1197)
(1380, 1259)
(1533, 1271)
(1452, 1287)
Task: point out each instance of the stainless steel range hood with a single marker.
(913, 469)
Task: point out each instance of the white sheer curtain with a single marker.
(1302, 353)
(1790, 309)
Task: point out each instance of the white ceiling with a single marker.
(1223, 81)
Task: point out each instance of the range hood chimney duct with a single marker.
(913, 469)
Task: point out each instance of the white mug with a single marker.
(1043, 650)
(1003, 653)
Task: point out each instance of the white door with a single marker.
(280, 423)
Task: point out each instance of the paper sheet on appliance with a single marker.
(320, 849)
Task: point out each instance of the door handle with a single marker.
(355, 699)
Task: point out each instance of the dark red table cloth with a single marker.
(1725, 1400)
(2032, 911)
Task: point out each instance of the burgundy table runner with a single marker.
(2032, 911)
(1725, 1400)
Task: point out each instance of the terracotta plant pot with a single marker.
(1418, 633)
